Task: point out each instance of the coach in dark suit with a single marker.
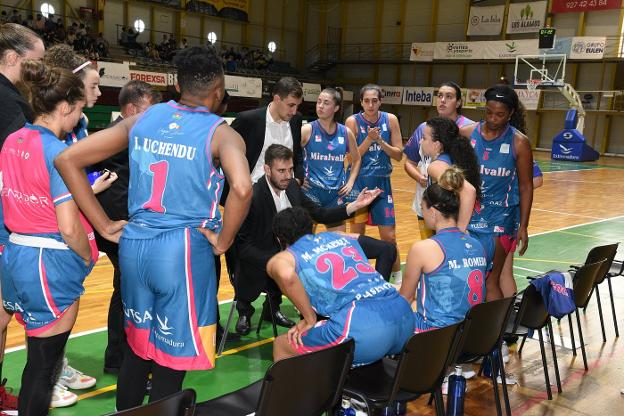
(134, 98)
(255, 243)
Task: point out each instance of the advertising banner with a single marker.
(526, 17)
(422, 52)
(509, 49)
(474, 98)
(562, 46)
(459, 50)
(114, 74)
(588, 47)
(529, 98)
(311, 91)
(157, 79)
(243, 86)
(418, 96)
(567, 6)
(391, 95)
(486, 20)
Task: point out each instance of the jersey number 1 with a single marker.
(159, 171)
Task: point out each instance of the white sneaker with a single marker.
(74, 379)
(509, 378)
(61, 397)
(469, 374)
(505, 353)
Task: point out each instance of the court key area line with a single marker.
(232, 351)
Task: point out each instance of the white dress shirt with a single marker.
(281, 199)
(274, 133)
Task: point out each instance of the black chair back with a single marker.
(425, 358)
(532, 313)
(599, 253)
(487, 324)
(584, 281)
(181, 403)
(307, 384)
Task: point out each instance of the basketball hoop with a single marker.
(532, 84)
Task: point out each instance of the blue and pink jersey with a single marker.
(335, 272)
(456, 285)
(324, 157)
(497, 163)
(173, 182)
(29, 200)
(413, 150)
(375, 162)
(79, 132)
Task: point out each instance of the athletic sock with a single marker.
(38, 378)
(165, 381)
(132, 380)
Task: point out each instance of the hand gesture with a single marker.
(373, 133)
(296, 332)
(366, 197)
(523, 240)
(104, 181)
(113, 230)
(345, 189)
(213, 239)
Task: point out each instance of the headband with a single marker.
(81, 67)
(502, 94)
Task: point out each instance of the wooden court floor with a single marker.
(579, 206)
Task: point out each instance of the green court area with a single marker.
(247, 360)
(561, 166)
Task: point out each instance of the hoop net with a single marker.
(532, 84)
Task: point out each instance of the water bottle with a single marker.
(346, 409)
(456, 393)
(487, 363)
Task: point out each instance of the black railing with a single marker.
(359, 53)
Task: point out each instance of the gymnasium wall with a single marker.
(299, 26)
(403, 21)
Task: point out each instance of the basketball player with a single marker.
(17, 43)
(328, 273)
(443, 145)
(506, 167)
(378, 137)
(177, 151)
(51, 248)
(63, 56)
(326, 144)
(449, 105)
(448, 269)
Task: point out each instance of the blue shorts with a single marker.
(327, 197)
(379, 326)
(168, 290)
(381, 210)
(502, 220)
(489, 245)
(39, 284)
(504, 223)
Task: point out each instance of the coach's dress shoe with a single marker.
(243, 325)
(278, 317)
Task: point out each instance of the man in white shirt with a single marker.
(277, 123)
(255, 244)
